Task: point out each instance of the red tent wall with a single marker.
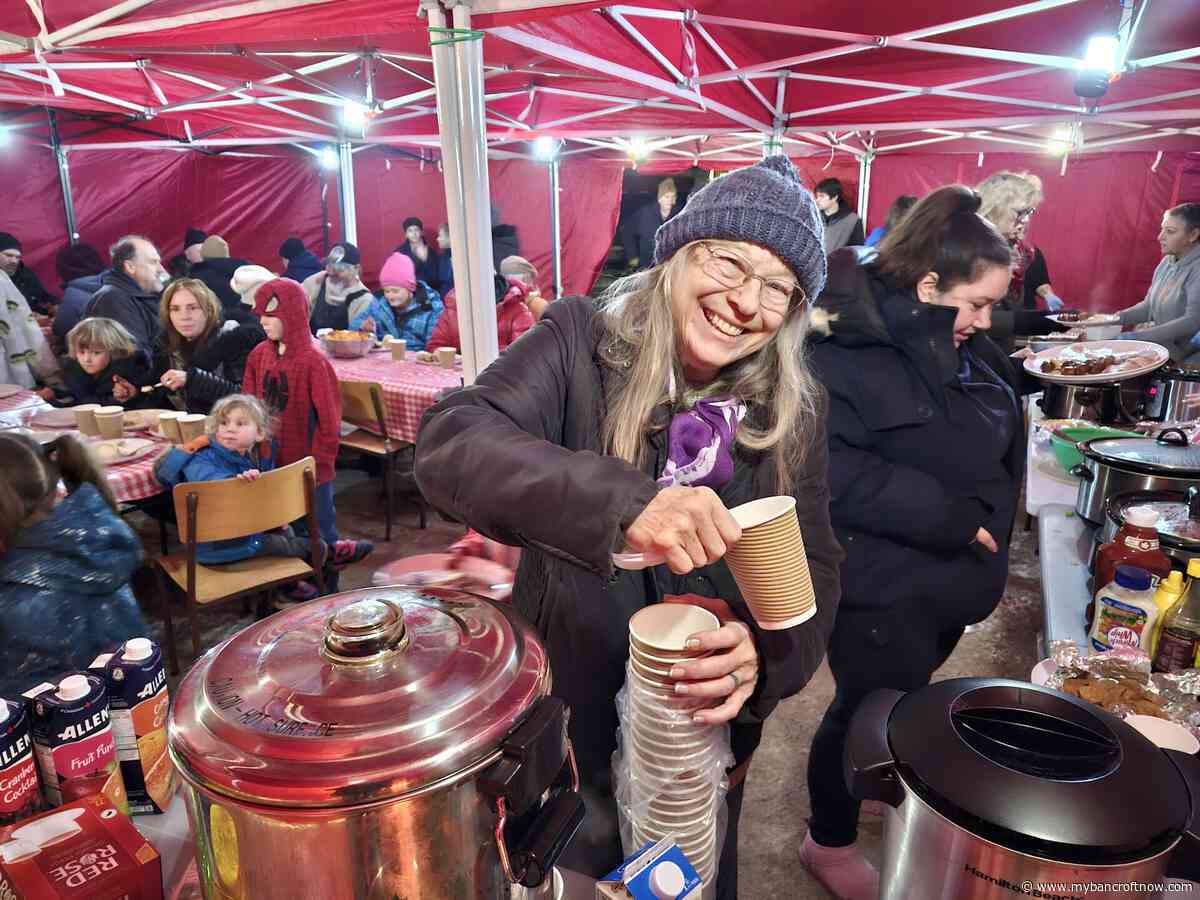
(33, 207)
(389, 189)
(1097, 226)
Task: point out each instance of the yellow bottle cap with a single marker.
(1174, 581)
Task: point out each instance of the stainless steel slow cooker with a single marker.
(1114, 466)
(1173, 394)
(1116, 403)
(380, 743)
(998, 788)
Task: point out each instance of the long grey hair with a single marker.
(775, 382)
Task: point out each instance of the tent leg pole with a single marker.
(458, 75)
(346, 192)
(324, 216)
(556, 229)
(864, 186)
(64, 177)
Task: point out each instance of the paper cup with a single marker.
(1165, 734)
(769, 563)
(399, 349)
(85, 419)
(192, 426)
(666, 626)
(445, 356)
(168, 426)
(110, 420)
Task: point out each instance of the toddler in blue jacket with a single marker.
(237, 448)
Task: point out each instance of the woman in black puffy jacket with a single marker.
(201, 356)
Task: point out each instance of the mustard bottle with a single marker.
(1170, 591)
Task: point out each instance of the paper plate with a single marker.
(53, 418)
(118, 451)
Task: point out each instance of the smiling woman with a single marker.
(638, 421)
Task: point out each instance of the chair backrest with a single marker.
(233, 508)
(362, 405)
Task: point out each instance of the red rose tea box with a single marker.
(86, 850)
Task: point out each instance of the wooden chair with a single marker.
(362, 405)
(232, 508)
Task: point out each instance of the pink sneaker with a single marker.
(843, 871)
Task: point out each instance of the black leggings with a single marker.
(867, 651)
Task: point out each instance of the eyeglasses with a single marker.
(1024, 215)
(731, 271)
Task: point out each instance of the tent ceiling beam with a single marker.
(612, 98)
(595, 63)
(411, 73)
(1160, 98)
(83, 92)
(1163, 58)
(305, 77)
(725, 58)
(116, 11)
(594, 114)
(642, 41)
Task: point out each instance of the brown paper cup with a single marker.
(168, 426)
(85, 419)
(192, 426)
(110, 420)
(770, 565)
(445, 356)
(399, 350)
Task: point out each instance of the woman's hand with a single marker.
(123, 391)
(174, 379)
(688, 527)
(728, 674)
(984, 538)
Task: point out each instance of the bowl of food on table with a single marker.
(347, 344)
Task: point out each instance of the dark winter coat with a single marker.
(638, 230)
(915, 467)
(85, 388)
(302, 266)
(426, 269)
(64, 592)
(519, 455)
(504, 243)
(77, 294)
(215, 368)
(120, 298)
(39, 299)
(445, 282)
(216, 274)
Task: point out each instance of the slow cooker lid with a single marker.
(1038, 766)
(1146, 453)
(356, 697)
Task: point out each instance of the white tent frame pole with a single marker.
(642, 41)
(921, 143)
(306, 77)
(116, 11)
(1161, 98)
(458, 73)
(154, 87)
(864, 185)
(346, 192)
(416, 76)
(729, 63)
(556, 227)
(611, 98)
(1164, 58)
(589, 61)
(83, 92)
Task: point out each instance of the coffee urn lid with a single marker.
(1037, 770)
(357, 697)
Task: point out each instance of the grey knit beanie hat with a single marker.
(764, 204)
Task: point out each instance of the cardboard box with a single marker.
(641, 877)
(85, 850)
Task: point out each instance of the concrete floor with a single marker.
(775, 813)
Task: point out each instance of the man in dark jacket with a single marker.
(299, 263)
(504, 239)
(215, 269)
(130, 290)
(80, 268)
(843, 227)
(39, 299)
(639, 228)
(193, 246)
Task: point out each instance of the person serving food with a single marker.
(637, 421)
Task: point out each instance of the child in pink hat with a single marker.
(407, 308)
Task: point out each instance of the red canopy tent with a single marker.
(214, 112)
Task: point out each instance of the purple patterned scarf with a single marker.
(700, 443)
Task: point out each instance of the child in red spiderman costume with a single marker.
(295, 381)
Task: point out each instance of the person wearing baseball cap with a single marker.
(638, 421)
(193, 245)
(333, 291)
(298, 261)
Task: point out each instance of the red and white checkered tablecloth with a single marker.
(20, 400)
(409, 388)
(134, 480)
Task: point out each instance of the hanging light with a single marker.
(329, 160)
(1098, 67)
(545, 148)
(1060, 142)
(638, 148)
(354, 115)
(5, 136)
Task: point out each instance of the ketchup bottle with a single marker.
(1135, 544)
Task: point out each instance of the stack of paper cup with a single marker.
(168, 426)
(85, 419)
(111, 421)
(192, 426)
(676, 764)
(769, 563)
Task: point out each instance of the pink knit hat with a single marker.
(398, 271)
